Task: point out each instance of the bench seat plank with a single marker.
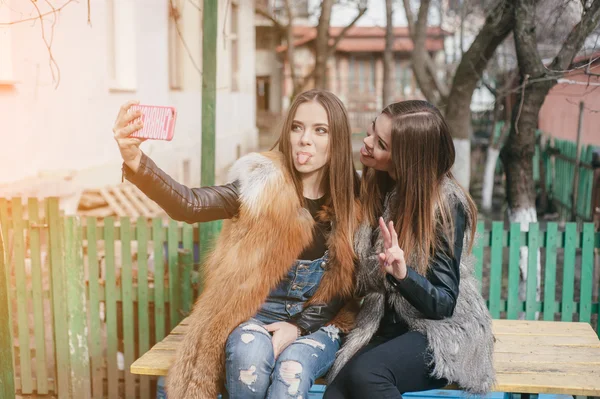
(530, 357)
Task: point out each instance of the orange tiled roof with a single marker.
(369, 38)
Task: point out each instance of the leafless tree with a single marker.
(455, 101)
(323, 48)
(45, 15)
(535, 81)
(388, 54)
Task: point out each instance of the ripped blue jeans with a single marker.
(253, 372)
(251, 368)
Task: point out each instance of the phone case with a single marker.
(159, 122)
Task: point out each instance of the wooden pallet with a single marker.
(121, 200)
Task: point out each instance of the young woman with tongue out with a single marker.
(281, 275)
(422, 323)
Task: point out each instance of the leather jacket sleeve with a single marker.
(435, 295)
(181, 203)
(316, 316)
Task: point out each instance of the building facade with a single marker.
(150, 51)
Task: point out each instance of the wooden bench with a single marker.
(531, 357)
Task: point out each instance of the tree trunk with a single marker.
(487, 192)
(498, 25)
(493, 152)
(425, 70)
(517, 154)
(322, 45)
(419, 55)
(388, 57)
(289, 38)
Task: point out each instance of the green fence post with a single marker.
(22, 296)
(77, 310)
(38, 297)
(7, 377)
(59, 298)
(209, 97)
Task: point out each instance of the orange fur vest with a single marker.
(252, 254)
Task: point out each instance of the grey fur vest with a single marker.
(462, 346)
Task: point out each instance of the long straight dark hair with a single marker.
(422, 155)
(340, 183)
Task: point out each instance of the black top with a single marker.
(321, 231)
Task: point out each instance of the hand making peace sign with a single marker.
(392, 260)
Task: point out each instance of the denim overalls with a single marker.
(251, 369)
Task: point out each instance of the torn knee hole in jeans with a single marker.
(255, 328)
(247, 338)
(332, 331)
(312, 343)
(289, 372)
(249, 377)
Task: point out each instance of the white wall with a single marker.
(69, 127)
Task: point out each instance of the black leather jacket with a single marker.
(434, 295)
(193, 205)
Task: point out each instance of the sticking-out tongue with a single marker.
(303, 158)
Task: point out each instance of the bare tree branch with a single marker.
(323, 49)
(48, 38)
(388, 55)
(518, 151)
(55, 10)
(576, 38)
(322, 44)
(427, 67)
(175, 15)
(418, 32)
(296, 84)
(410, 18)
(263, 12)
(361, 12)
(54, 68)
(196, 6)
(498, 24)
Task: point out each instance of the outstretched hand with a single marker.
(123, 128)
(392, 259)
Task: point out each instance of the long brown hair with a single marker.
(422, 155)
(340, 180)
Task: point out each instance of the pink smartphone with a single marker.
(159, 122)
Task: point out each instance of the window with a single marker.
(351, 74)
(398, 74)
(407, 80)
(6, 66)
(233, 38)
(176, 50)
(361, 76)
(121, 44)
(373, 75)
(300, 8)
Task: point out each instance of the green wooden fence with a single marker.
(559, 159)
(81, 292)
(556, 159)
